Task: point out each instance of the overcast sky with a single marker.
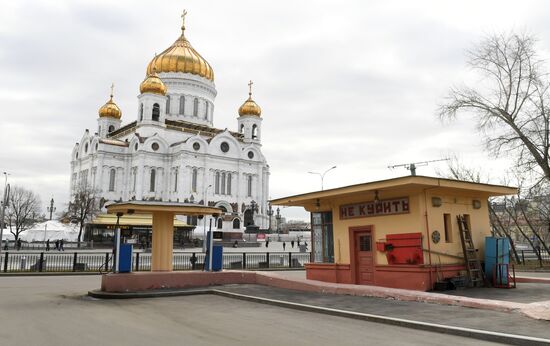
(348, 83)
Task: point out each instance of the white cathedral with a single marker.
(172, 151)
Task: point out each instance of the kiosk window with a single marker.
(322, 237)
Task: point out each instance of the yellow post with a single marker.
(163, 239)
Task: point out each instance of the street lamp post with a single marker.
(51, 208)
(5, 200)
(278, 217)
(322, 175)
(204, 227)
(270, 214)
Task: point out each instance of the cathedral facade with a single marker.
(171, 151)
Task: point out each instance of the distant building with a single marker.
(170, 150)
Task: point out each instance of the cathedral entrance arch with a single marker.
(225, 206)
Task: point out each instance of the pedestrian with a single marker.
(236, 244)
(19, 244)
(298, 242)
(292, 244)
(305, 245)
(57, 244)
(284, 246)
(267, 243)
(48, 245)
(61, 245)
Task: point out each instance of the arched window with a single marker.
(111, 128)
(217, 183)
(152, 180)
(236, 224)
(229, 183)
(112, 174)
(249, 189)
(223, 184)
(167, 104)
(182, 105)
(254, 131)
(195, 107)
(220, 223)
(242, 128)
(156, 112)
(206, 110)
(194, 180)
(141, 112)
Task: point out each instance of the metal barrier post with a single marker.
(522, 257)
(41, 263)
(244, 260)
(74, 261)
(290, 259)
(137, 261)
(267, 258)
(106, 261)
(6, 255)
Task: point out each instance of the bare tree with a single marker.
(456, 170)
(510, 103)
(23, 210)
(83, 208)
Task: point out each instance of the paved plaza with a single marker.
(55, 311)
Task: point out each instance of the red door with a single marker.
(364, 261)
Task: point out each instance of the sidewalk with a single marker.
(456, 316)
(537, 309)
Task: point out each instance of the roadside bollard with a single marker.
(23, 263)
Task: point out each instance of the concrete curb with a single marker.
(147, 294)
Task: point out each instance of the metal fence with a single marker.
(11, 262)
(530, 256)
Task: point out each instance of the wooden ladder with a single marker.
(476, 276)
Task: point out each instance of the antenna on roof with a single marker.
(412, 166)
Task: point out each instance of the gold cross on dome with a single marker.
(183, 14)
(112, 89)
(250, 88)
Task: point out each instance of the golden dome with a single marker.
(249, 107)
(181, 57)
(110, 109)
(152, 84)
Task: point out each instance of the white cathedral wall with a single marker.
(118, 158)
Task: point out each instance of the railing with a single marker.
(11, 262)
(530, 256)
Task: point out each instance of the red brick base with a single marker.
(412, 277)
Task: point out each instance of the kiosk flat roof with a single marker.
(406, 182)
(149, 207)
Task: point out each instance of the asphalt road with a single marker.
(54, 311)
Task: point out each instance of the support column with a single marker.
(163, 239)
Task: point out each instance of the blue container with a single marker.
(125, 258)
(497, 251)
(217, 259)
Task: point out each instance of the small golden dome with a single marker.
(110, 109)
(249, 107)
(152, 84)
(181, 57)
